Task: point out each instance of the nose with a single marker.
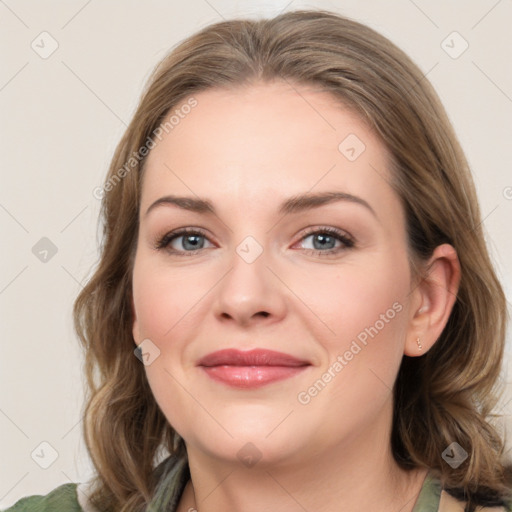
(250, 293)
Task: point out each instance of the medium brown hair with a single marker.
(445, 396)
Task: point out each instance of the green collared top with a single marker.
(71, 498)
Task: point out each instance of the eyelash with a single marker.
(163, 243)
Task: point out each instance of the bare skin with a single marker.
(247, 151)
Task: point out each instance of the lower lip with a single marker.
(249, 377)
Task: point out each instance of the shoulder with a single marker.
(62, 499)
(434, 498)
(448, 503)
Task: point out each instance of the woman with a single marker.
(293, 245)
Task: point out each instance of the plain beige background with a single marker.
(62, 114)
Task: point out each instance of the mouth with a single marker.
(251, 369)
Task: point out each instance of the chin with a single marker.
(253, 444)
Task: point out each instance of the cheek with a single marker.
(366, 309)
(361, 322)
(355, 301)
(163, 300)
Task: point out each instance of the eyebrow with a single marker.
(294, 204)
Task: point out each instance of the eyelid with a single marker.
(327, 229)
(348, 241)
(343, 236)
(163, 241)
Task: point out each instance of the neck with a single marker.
(359, 474)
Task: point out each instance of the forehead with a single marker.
(253, 140)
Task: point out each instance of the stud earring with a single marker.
(419, 343)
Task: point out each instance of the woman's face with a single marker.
(327, 282)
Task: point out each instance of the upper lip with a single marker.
(255, 357)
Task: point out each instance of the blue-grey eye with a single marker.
(322, 241)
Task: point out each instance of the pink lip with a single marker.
(252, 368)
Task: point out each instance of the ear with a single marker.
(433, 300)
(135, 324)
